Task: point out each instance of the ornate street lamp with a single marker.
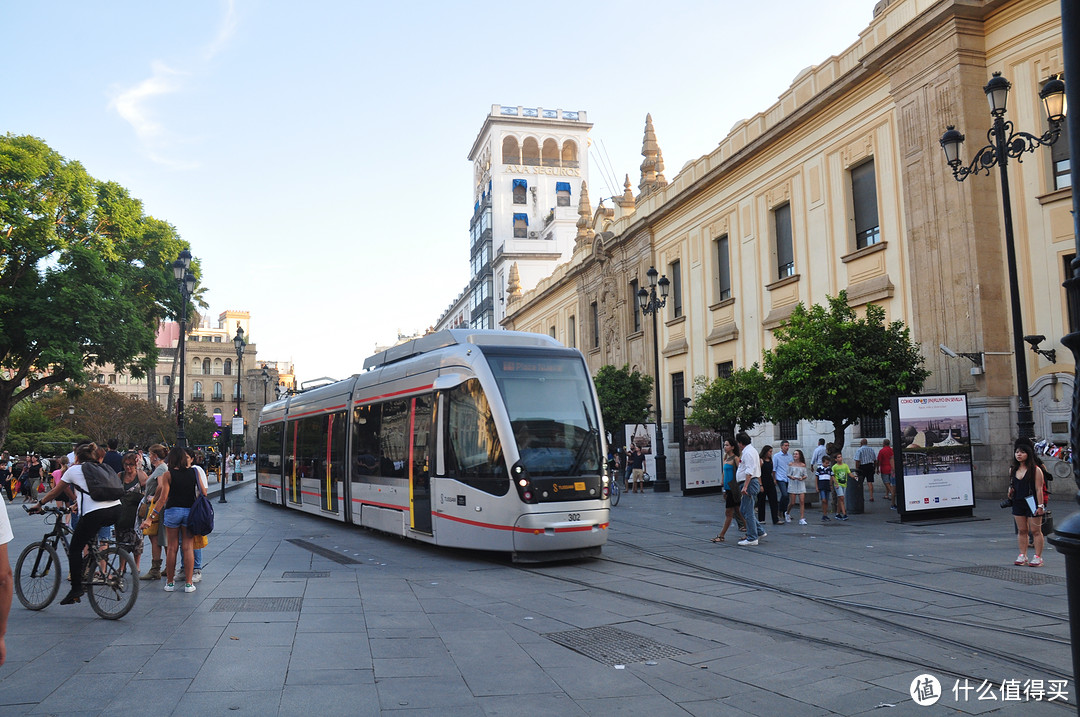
(266, 381)
(185, 280)
(71, 412)
(650, 304)
(1005, 142)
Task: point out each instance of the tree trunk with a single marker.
(839, 429)
(151, 384)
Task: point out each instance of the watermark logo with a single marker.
(925, 690)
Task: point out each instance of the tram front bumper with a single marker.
(561, 530)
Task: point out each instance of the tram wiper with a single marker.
(593, 431)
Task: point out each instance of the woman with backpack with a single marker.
(177, 489)
(95, 514)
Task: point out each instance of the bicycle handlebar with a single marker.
(47, 509)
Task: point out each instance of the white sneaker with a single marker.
(196, 576)
(189, 588)
(802, 521)
(761, 534)
(787, 517)
(745, 543)
(169, 587)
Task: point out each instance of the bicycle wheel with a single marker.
(37, 575)
(115, 585)
(616, 492)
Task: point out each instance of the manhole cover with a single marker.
(324, 552)
(612, 646)
(306, 574)
(1024, 576)
(281, 604)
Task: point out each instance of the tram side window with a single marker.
(366, 427)
(394, 439)
(311, 447)
(337, 445)
(473, 452)
(269, 460)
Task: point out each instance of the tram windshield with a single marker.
(549, 400)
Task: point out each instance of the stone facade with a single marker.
(935, 260)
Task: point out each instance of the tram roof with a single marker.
(451, 337)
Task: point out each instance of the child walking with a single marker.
(840, 472)
(824, 486)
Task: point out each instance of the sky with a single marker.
(315, 154)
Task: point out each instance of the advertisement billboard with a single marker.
(933, 456)
(703, 457)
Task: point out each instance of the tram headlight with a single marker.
(524, 484)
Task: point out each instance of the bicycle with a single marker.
(614, 491)
(111, 581)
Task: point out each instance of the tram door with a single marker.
(292, 465)
(419, 465)
(332, 469)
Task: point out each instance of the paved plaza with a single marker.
(297, 615)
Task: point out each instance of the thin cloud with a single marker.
(135, 104)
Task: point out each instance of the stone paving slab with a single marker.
(412, 630)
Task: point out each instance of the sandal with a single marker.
(718, 539)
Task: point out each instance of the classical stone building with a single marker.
(842, 185)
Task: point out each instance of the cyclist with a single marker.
(94, 515)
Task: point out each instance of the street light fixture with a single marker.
(650, 304)
(1005, 142)
(71, 412)
(266, 381)
(185, 280)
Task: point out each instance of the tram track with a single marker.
(858, 611)
(863, 574)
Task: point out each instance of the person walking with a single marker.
(797, 478)
(865, 465)
(731, 502)
(885, 468)
(781, 461)
(768, 488)
(748, 478)
(1027, 486)
(824, 486)
(93, 515)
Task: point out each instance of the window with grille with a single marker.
(723, 370)
(872, 426)
(789, 429)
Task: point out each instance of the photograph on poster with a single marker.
(643, 435)
(704, 457)
(935, 441)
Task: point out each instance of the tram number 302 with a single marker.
(574, 516)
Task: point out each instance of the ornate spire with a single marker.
(584, 232)
(628, 195)
(660, 180)
(648, 151)
(513, 284)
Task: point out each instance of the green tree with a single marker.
(831, 365)
(85, 274)
(738, 400)
(624, 397)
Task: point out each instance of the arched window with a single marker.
(206, 366)
(520, 189)
(218, 392)
(530, 152)
(196, 390)
(569, 154)
(236, 391)
(550, 154)
(510, 152)
(228, 367)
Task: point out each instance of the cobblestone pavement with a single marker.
(297, 615)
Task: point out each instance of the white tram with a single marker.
(472, 439)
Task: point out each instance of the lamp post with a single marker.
(266, 381)
(185, 280)
(239, 343)
(1005, 142)
(650, 304)
(71, 412)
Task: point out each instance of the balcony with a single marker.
(197, 397)
(218, 397)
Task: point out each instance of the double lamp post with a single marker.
(651, 303)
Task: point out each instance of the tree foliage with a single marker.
(830, 364)
(738, 400)
(85, 274)
(624, 397)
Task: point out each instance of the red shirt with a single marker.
(884, 457)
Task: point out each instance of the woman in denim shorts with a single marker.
(178, 488)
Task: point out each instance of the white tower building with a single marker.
(529, 167)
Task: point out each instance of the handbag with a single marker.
(201, 541)
(201, 516)
(1047, 522)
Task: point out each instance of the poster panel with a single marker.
(643, 435)
(704, 457)
(934, 453)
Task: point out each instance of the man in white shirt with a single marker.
(748, 478)
(6, 578)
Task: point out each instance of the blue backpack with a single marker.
(201, 516)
